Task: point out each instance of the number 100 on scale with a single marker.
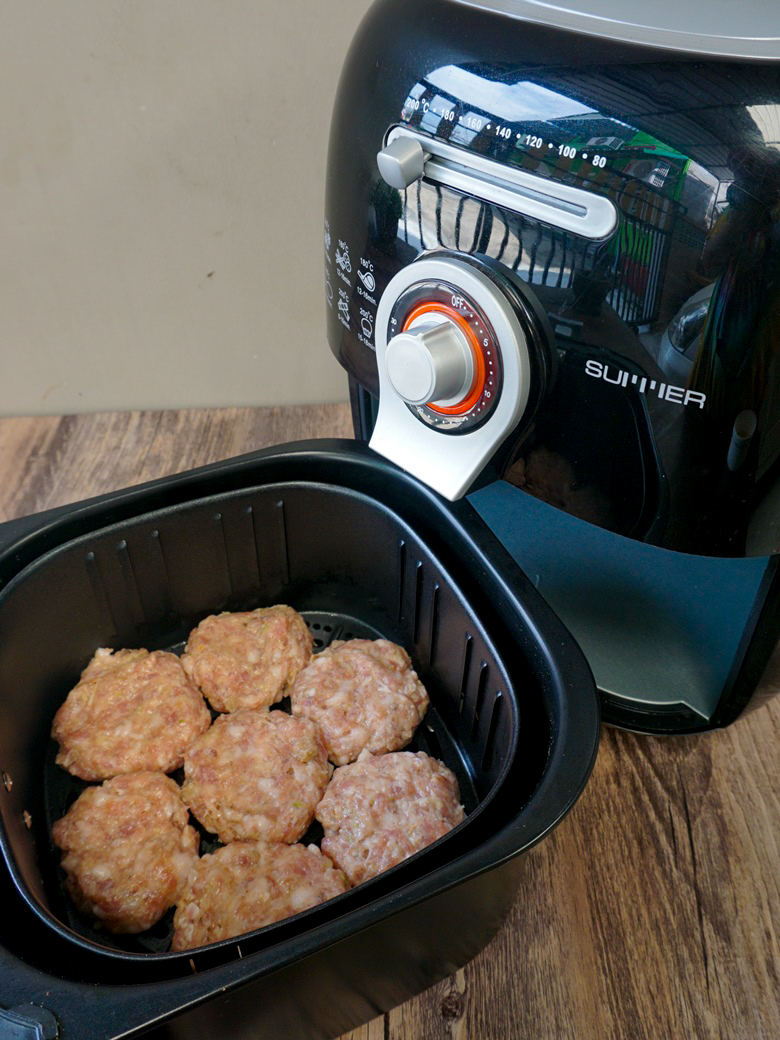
(566, 151)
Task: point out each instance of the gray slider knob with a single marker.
(432, 363)
(402, 162)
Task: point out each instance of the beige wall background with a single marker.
(161, 202)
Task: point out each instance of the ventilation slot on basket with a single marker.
(434, 625)
(151, 569)
(401, 572)
(282, 542)
(418, 587)
(483, 678)
(239, 551)
(129, 581)
(490, 742)
(271, 544)
(421, 609)
(219, 555)
(99, 589)
(465, 673)
(132, 596)
(411, 580)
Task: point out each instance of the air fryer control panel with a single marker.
(629, 395)
(461, 364)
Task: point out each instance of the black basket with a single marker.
(360, 550)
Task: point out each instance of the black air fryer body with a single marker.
(595, 221)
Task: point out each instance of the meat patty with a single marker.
(128, 850)
(247, 659)
(131, 710)
(249, 884)
(383, 808)
(363, 694)
(256, 774)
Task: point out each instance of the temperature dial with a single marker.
(442, 356)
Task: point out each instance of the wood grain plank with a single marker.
(48, 462)
(651, 913)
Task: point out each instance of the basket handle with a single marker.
(28, 1022)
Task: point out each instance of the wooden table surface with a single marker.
(653, 911)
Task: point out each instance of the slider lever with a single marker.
(402, 162)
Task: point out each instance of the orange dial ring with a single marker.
(478, 383)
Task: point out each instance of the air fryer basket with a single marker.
(359, 549)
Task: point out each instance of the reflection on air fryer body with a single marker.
(662, 427)
(642, 276)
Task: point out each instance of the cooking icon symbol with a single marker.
(367, 325)
(368, 280)
(342, 258)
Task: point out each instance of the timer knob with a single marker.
(464, 354)
(431, 362)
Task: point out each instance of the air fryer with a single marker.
(522, 203)
(552, 247)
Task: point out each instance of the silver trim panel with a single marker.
(725, 30)
(445, 462)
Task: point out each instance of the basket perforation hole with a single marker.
(434, 623)
(419, 577)
(401, 573)
(132, 595)
(434, 748)
(282, 541)
(490, 743)
(484, 672)
(464, 676)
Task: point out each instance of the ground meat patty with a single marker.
(249, 884)
(248, 659)
(382, 808)
(363, 694)
(256, 774)
(131, 710)
(128, 850)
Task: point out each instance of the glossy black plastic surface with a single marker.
(685, 148)
(321, 525)
(663, 425)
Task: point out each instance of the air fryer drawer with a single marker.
(358, 548)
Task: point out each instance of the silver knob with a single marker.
(402, 162)
(431, 363)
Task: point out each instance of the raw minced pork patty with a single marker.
(364, 694)
(249, 884)
(128, 850)
(383, 808)
(247, 659)
(256, 775)
(131, 710)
